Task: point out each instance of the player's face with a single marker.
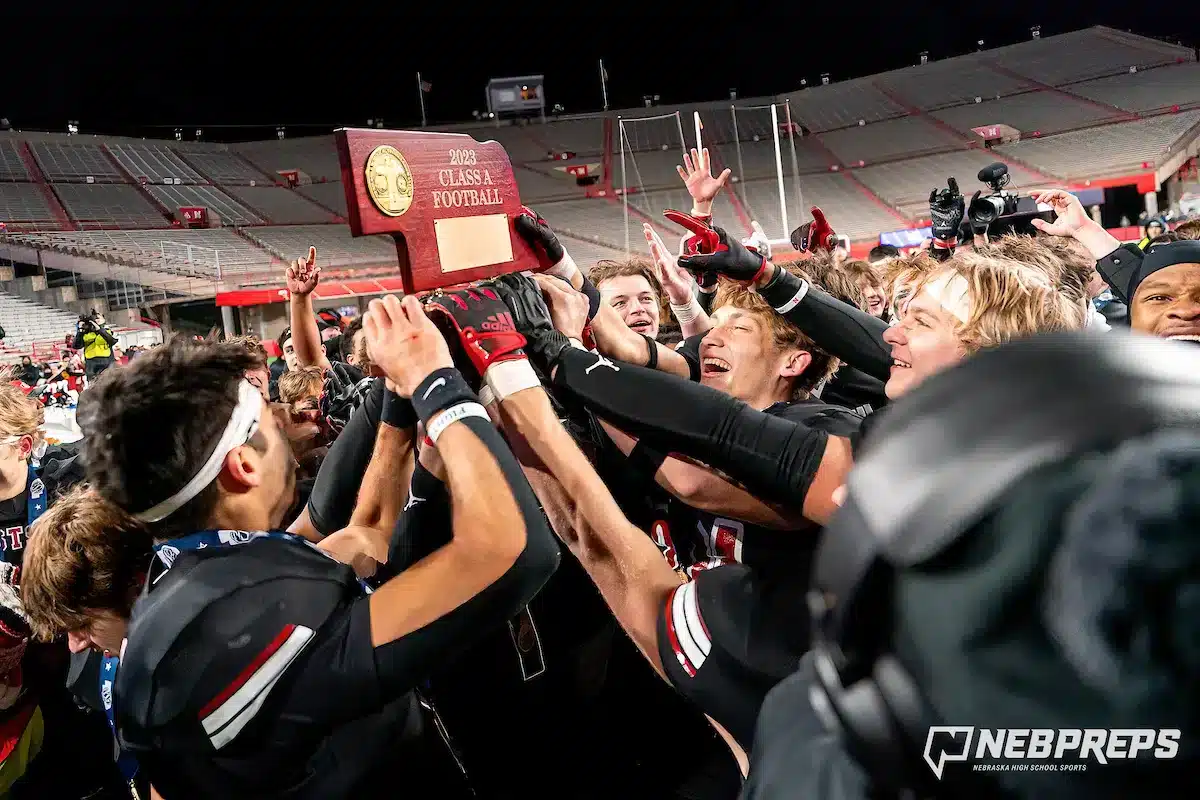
(104, 632)
(278, 484)
(260, 379)
(924, 342)
(289, 356)
(14, 455)
(1167, 303)
(738, 357)
(874, 297)
(635, 300)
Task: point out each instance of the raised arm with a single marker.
(302, 279)
(500, 552)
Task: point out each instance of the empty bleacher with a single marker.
(952, 82)
(75, 161)
(230, 210)
(209, 253)
(12, 166)
(281, 206)
(24, 203)
(598, 221)
(313, 155)
(226, 167)
(653, 204)
(838, 105)
(1107, 149)
(155, 163)
(890, 139)
(583, 137)
(109, 206)
(535, 185)
(332, 195)
(1044, 111)
(1178, 84)
(1084, 54)
(335, 246)
(851, 211)
(25, 322)
(758, 158)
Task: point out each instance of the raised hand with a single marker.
(1071, 214)
(403, 342)
(725, 255)
(531, 317)
(677, 282)
(304, 274)
(816, 234)
(946, 211)
(698, 178)
(758, 240)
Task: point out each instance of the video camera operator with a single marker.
(93, 336)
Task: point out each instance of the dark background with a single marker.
(141, 69)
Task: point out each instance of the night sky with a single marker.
(147, 73)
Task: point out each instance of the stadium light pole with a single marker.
(421, 98)
(604, 84)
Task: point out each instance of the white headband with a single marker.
(952, 292)
(242, 425)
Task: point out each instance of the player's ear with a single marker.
(794, 363)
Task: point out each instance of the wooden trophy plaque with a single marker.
(446, 199)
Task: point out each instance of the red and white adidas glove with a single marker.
(481, 325)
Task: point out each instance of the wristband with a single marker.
(687, 313)
(795, 299)
(578, 345)
(593, 295)
(565, 268)
(398, 412)
(486, 395)
(701, 216)
(506, 378)
(454, 414)
(652, 352)
(441, 389)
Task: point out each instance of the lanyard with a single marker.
(168, 551)
(36, 505)
(126, 763)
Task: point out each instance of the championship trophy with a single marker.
(447, 200)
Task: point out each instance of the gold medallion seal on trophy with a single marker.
(388, 180)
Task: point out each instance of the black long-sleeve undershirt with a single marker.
(845, 332)
(774, 458)
(336, 489)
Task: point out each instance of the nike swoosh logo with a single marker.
(201, 546)
(432, 386)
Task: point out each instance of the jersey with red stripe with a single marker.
(727, 637)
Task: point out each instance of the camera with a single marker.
(1007, 212)
(996, 177)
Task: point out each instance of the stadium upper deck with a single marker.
(1095, 105)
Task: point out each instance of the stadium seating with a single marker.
(313, 155)
(281, 206)
(155, 163)
(1105, 150)
(75, 161)
(598, 221)
(331, 195)
(226, 167)
(891, 139)
(23, 203)
(230, 211)
(952, 82)
(25, 322)
(839, 105)
(1047, 112)
(335, 246)
(849, 208)
(1084, 54)
(12, 166)
(545, 183)
(203, 253)
(109, 206)
(584, 137)
(1161, 88)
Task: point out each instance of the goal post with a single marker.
(764, 138)
(650, 149)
